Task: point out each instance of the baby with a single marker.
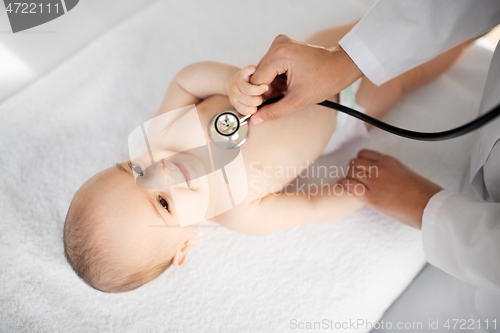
(115, 236)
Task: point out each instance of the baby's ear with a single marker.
(183, 249)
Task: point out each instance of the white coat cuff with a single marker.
(363, 57)
(430, 225)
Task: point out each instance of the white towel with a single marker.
(74, 122)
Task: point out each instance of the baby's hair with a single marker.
(91, 260)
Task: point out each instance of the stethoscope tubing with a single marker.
(421, 136)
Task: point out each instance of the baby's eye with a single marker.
(163, 202)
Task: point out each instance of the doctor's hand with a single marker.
(243, 95)
(306, 74)
(389, 187)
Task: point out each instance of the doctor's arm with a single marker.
(461, 236)
(396, 36)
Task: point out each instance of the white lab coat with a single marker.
(461, 234)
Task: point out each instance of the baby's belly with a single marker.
(276, 152)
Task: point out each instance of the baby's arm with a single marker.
(287, 210)
(201, 80)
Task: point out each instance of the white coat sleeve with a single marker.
(396, 36)
(461, 236)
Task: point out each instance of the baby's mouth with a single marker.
(184, 172)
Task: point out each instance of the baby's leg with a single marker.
(377, 100)
(330, 37)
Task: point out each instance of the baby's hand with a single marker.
(243, 95)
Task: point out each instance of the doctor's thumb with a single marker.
(272, 111)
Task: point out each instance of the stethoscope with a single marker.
(228, 130)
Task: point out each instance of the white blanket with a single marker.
(74, 122)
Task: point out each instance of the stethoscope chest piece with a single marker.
(227, 130)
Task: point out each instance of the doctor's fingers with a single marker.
(357, 188)
(371, 155)
(273, 63)
(367, 166)
(291, 102)
(278, 40)
(382, 164)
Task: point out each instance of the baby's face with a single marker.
(139, 223)
(181, 180)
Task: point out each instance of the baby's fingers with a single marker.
(246, 87)
(244, 109)
(250, 100)
(246, 72)
(250, 89)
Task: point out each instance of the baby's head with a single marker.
(119, 236)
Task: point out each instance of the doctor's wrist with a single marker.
(428, 191)
(343, 70)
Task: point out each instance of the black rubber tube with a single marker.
(422, 136)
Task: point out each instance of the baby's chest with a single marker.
(276, 152)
